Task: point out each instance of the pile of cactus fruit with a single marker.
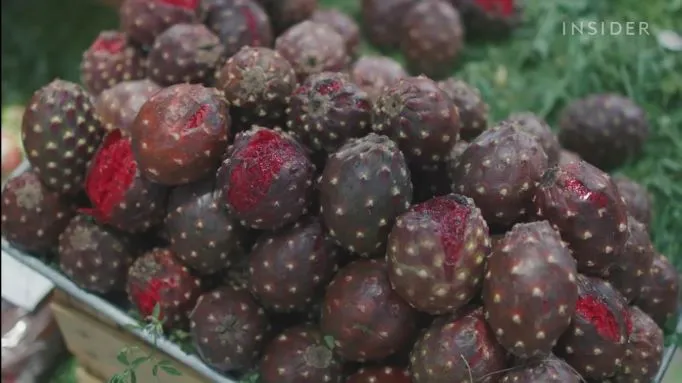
(311, 214)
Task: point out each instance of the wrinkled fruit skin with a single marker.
(227, 328)
(185, 53)
(432, 38)
(500, 170)
(606, 130)
(537, 127)
(312, 48)
(630, 274)
(298, 355)
(94, 257)
(636, 197)
(644, 350)
(327, 109)
(143, 20)
(366, 318)
(455, 348)
(659, 296)
(489, 19)
(420, 117)
(158, 278)
(373, 73)
(343, 24)
(380, 375)
(111, 60)
(286, 13)
(202, 235)
(258, 83)
(290, 267)
(583, 204)
(595, 342)
(365, 185)
(180, 134)
(473, 110)
(267, 180)
(382, 19)
(238, 24)
(436, 253)
(32, 215)
(429, 181)
(529, 291)
(119, 194)
(60, 133)
(118, 106)
(547, 370)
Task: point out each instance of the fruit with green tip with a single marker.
(378, 374)
(436, 254)
(228, 329)
(637, 199)
(60, 133)
(365, 185)
(659, 296)
(383, 19)
(143, 20)
(489, 19)
(644, 351)
(33, 216)
(118, 106)
(300, 354)
(529, 291)
(341, 23)
(583, 204)
(537, 127)
(373, 73)
(473, 110)
(549, 370)
(367, 319)
(327, 109)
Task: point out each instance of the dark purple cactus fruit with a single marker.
(237, 23)
(420, 117)
(267, 180)
(367, 319)
(300, 354)
(143, 20)
(258, 83)
(429, 181)
(583, 204)
(436, 253)
(489, 19)
(94, 257)
(111, 60)
(473, 110)
(457, 150)
(365, 185)
(606, 130)
(313, 48)
(547, 370)
(538, 128)
(594, 343)
(185, 53)
(659, 297)
(500, 170)
(644, 351)
(158, 278)
(383, 19)
(32, 215)
(118, 105)
(459, 347)
(631, 272)
(343, 24)
(60, 133)
(637, 199)
(286, 13)
(290, 267)
(327, 110)
(374, 73)
(529, 291)
(180, 134)
(201, 233)
(227, 327)
(432, 38)
(378, 374)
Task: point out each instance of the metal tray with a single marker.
(121, 318)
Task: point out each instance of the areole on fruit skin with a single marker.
(387, 374)
(473, 110)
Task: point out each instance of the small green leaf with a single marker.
(137, 362)
(133, 377)
(122, 357)
(165, 362)
(156, 313)
(170, 370)
(155, 370)
(117, 378)
(329, 342)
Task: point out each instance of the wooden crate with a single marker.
(96, 341)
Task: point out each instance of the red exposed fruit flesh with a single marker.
(113, 171)
(197, 118)
(111, 43)
(600, 316)
(450, 217)
(585, 194)
(504, 7)
(147, 298)
(260, 162)
(187, 4)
